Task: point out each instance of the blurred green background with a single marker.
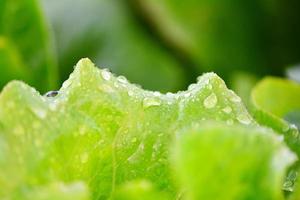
(160, 44)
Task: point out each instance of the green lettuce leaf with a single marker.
(101, 132)
(214, 161)
(273, 99)
(139, 189)
(26, 51)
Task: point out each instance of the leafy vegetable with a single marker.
(100, 132)
(25, 46)
(215, 161)
(274, 98)
(137, 189)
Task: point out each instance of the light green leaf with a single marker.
(102, 130)
(25, 46)
(215, 161)
(136, 190)
(73, 191)
(273, 99)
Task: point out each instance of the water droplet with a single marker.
(244, 119)
(148, 102)
(227, 109)
(106, 88)
(66, 84)
(39, 112)
(210, 101)
(105, 74)
(130, 93)
(84, 157)
(51, 94)
(53, 105)
(192, 86)
(186, 95)
(116, 84)
(169, 95)
(122, 79)
(233, 97)
(156, 93)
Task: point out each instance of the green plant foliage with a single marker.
(215, 161)
(273, 99)
(108, 32)
(139, 189)
(100, 132)
(256, 36)
(25, 48)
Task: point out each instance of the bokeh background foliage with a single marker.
(162, 45)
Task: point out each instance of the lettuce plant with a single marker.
(101, 137)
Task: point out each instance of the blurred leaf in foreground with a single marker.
(215, 161)
(136, 190)
(25, 46)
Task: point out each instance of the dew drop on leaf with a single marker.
(156, 93)
(192, 86)
(149, 101)
(39, 112)
(227, 109)
(51, 94)
(122, 79)
(233, 97)
(244, 119)
(186, 95)
(210, 101)
(130, 93)
(105, 75)
(66, 84)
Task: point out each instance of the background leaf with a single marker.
(253, 36)
(109, 33)
(25, 45)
